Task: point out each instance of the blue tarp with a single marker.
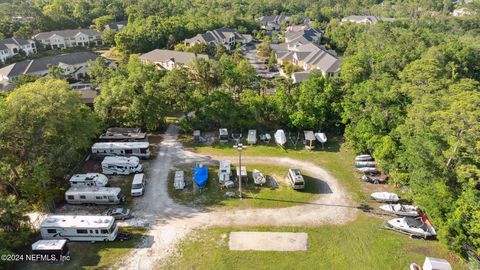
(200, 176)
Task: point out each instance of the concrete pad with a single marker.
(268, 241)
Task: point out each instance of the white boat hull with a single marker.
(258, 177)
(321, 137)
(413, 226)
(280, 137)
(385, 197)
(400, 210)
(363, 158)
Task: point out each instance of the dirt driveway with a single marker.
(169, 222)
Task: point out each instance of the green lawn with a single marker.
(255, 196)
(86, 255)
(357, 245)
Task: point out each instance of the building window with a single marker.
(70, 197)
(82, 197)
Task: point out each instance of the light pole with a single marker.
(240, 148)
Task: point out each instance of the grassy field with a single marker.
(361, 244)
(357, 245)
(100, 255)
(255, 196)
(335, 158)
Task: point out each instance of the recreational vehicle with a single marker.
(121, 165)
(138, 149)
(224, 172)
(223, 135)
(53, 249)
(79, 228)
(116, 134)
(296, 179)
(89, 180)
(94, 195)
(138, 185)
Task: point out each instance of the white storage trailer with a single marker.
(224, 171)
(121, 165)
(296, 179)
(79, 228)
(88, 179)
(54, 249)
(252, 136)
(138, 149)
(94, 195)
(223, 135)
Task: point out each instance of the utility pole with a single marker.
(240, 148)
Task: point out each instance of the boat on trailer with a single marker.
(200, 175)
(385, 197)
(419, 226)
(398, 209)
(280, 137)
(362, 164)
(363, 158)
(258, 177)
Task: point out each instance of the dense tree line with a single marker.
(412, 99)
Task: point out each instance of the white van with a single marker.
(89, 180)
(138, 149)
(94, 195)
(296, 179)
(138, 185)
(79, 228)
(121, 165)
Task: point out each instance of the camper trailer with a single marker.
(309, 140)
(138, 185)
(296, 179)
(53, 249)
(89, 180)
(224, 172)
(138, 149)
(79, 228)
(94, 195)
(116, 134)
(252, 136)
(223, 135)
(121, 165)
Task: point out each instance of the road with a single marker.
(250, 54)
(169, 222)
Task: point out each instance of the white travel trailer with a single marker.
(79, 228)
(252, 136)
(121, 165)
(89, 180)
(138, 149)
(296, 179)
(223, 135)
(94, 195)
(224, 172)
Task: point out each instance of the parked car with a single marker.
(119, 213)
(121, 236)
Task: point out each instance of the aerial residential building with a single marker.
(306, 53)
(304, 33)
(366, 19)
(116, 26)
(74, 65)
(69, 38)
(168, 59)
(223, 36)
(273, 22)
(12, 46)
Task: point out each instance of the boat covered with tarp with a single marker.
(200, 175)
(385, 197)
(363, 158)
(398, 209)
(280, 138)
